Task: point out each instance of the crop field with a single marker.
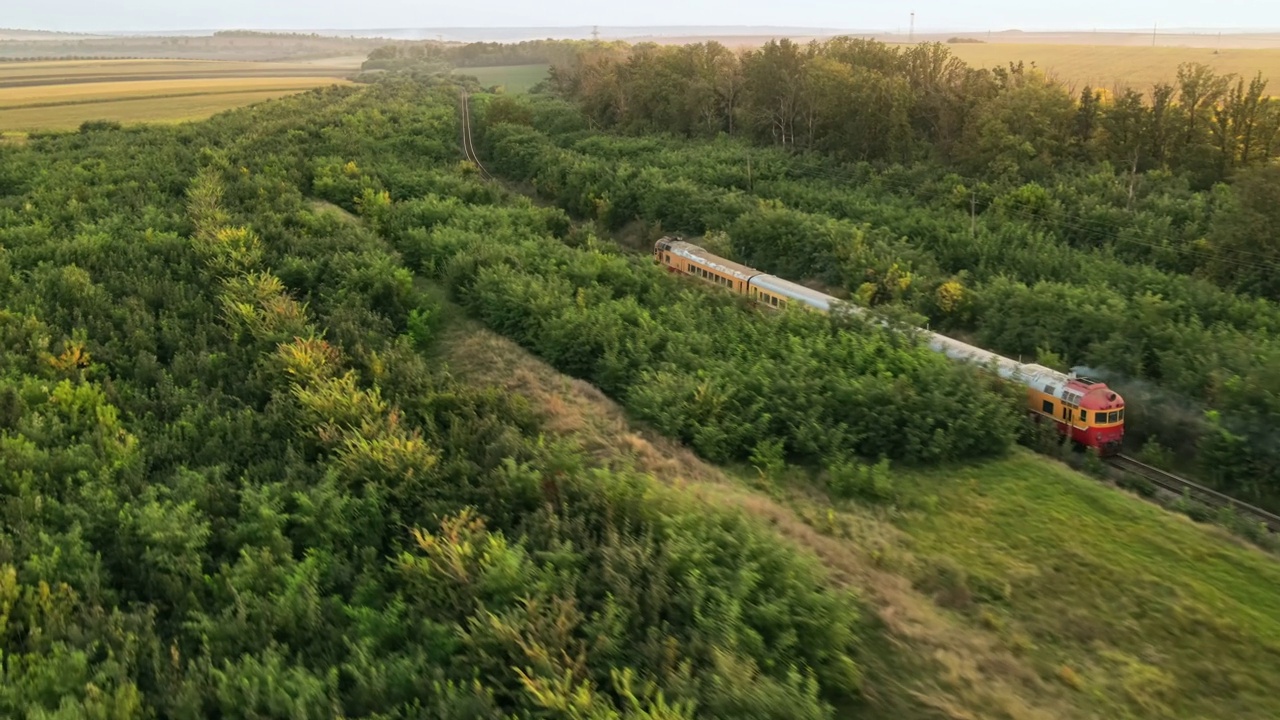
(1108, 67)
(60, 95)
(514, 78)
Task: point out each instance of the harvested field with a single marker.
(1109, 67)
(59, 95)
(74, 94)
(64, 72)
(140, 110)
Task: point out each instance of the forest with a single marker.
(1031, 238)
(236, 485)
(238, 480)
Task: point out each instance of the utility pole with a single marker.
(1153, 34)
(911, 34)
(595, 33)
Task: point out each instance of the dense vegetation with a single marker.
(234, 485)
(1165, 290)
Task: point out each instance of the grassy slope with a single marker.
(1078, 631)
(515, 78)
(1120, 599)
(1106, 67)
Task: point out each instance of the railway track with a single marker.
(1195, 491)
(469, 148)
(1160, 478)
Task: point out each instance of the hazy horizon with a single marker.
(931, 16)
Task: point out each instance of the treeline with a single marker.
(864, 100)
(236, 483)
(409, 56)
(909, 238)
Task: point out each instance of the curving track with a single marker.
(469, 148)
(1196, 491)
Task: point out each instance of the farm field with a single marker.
(161, 109)
(1111, 66)
(60, 95)
(90, 71)
(515, 78)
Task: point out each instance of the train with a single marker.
(1082, 409)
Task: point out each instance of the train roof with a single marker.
(1046, 380)
(699, 255)
(788, 289)
(1060, 385)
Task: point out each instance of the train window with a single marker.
(1084, 416)
(1047, 407)
(1113, 417)
(1121, 413)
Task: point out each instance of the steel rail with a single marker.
(468, 147)
(1196, 491)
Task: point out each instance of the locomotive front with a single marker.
(1103, 411)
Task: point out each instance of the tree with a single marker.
(1246, 247)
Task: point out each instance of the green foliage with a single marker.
(851, 479)
(1086, 265)
(769, 458)
(237, 484)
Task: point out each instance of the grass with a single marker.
(170, 109)
(1111, 66)
(514, 78)
(60, 95)
(1142, 610)
(1010, 589)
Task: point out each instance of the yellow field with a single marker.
(59, 95)
(79, 93)
(1110, 66)
(51, 71)
(140, 110)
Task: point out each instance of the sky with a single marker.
(882, 15)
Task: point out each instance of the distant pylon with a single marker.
(595, 33)
(911, 34)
